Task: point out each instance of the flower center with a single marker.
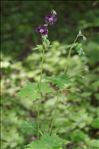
(41, 30)
(51, 19)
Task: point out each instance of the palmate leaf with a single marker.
(47, 142)
(34, 90)
(29, 91)
(29, 127)
(60, 80)
(45, 88)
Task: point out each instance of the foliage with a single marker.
(47, 142)
(77, 114)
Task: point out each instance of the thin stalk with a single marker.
(40, 81)
(65, 70)
(52, 121)
(69, 54)
(38, 127)
(41, 74)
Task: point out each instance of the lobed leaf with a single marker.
(60, 80)
(35, 90)
(47, 142)
(29, 91)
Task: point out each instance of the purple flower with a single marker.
(42, 29)
(51, 19)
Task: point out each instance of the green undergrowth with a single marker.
(76, 118)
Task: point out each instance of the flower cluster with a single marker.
(49, 20)
(42, 29)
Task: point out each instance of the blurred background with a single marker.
(20, 62)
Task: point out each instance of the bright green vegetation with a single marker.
(76, 118)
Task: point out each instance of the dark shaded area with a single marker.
(19, 20)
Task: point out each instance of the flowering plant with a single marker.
(42, 90)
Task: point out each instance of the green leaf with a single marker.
(78, 136)
(60, 80)
(94, 143)
(29, 127)
(47, 142)
(46, 42)
(38, 47)
(45, 88)
(29, 91)
(95, 123)
(79, 49)
(35, 90)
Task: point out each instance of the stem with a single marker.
(65, 70)
(43, 55)
(38, 127)
(69, 54)
(41, 74)
(52, 121)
